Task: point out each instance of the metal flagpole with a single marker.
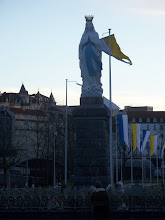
(54, 181)
(157, 166)
(54, 176)
(162, 156)
(66, 133)
(116, 154)
(150, 167)
(27, 164)
(142, 169)
(121, 167)
(110, 122)
(163, 168)
(131, 168)
(66, 130)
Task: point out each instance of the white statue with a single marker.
(90, 61)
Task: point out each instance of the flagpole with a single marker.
(66, 133)
(163, 168)
(142, 168)
(157, 166)
(116, 154)
(150, 167)
(121, 166)
(110, 122)
(131, 168)
(54, 157)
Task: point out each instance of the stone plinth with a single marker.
(91, 150)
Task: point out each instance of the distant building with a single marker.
(6, 150)
(153, 121)
(25, 101)
(34, 121)
(138, 108)
(5, 130)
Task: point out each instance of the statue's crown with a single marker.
(89, 17)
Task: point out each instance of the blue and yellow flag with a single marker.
(123, 128)
(115, 49)
(162, 151)
(146, 135)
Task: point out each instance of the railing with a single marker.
(44, 198)
(148, 198)
(151, 198)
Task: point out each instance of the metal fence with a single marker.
(44, 198)
(151, 198)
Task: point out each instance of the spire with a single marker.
(23, 90)
(38, 93)
(51, 98)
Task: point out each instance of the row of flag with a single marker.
(137, 144)
(123, 119)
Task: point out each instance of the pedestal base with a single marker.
(91, 150)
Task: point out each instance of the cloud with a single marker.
(148, 11)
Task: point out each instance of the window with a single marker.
(133, 119)
(154, 119)
(154, 127)
(148, 127)
(140, 119)
(161, 119)
(148, 119)
(161, 127)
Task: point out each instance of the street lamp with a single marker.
(66, 131)
(54, 175)
(27, 128)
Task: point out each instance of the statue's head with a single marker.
(89, 26)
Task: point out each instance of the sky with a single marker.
(39, 42)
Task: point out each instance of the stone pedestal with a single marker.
(91, 150)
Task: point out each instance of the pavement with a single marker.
(78, 214)
(92, 218)
(77, 218)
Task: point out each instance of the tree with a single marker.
(56, 123)
(8, 147)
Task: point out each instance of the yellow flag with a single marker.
(134, 136)
(152, 144)
(115, 49)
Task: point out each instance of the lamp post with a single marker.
(66, 131)
(26, 128)
(54, 174)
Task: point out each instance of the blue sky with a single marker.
(40, 39)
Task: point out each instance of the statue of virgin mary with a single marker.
(90, 61)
